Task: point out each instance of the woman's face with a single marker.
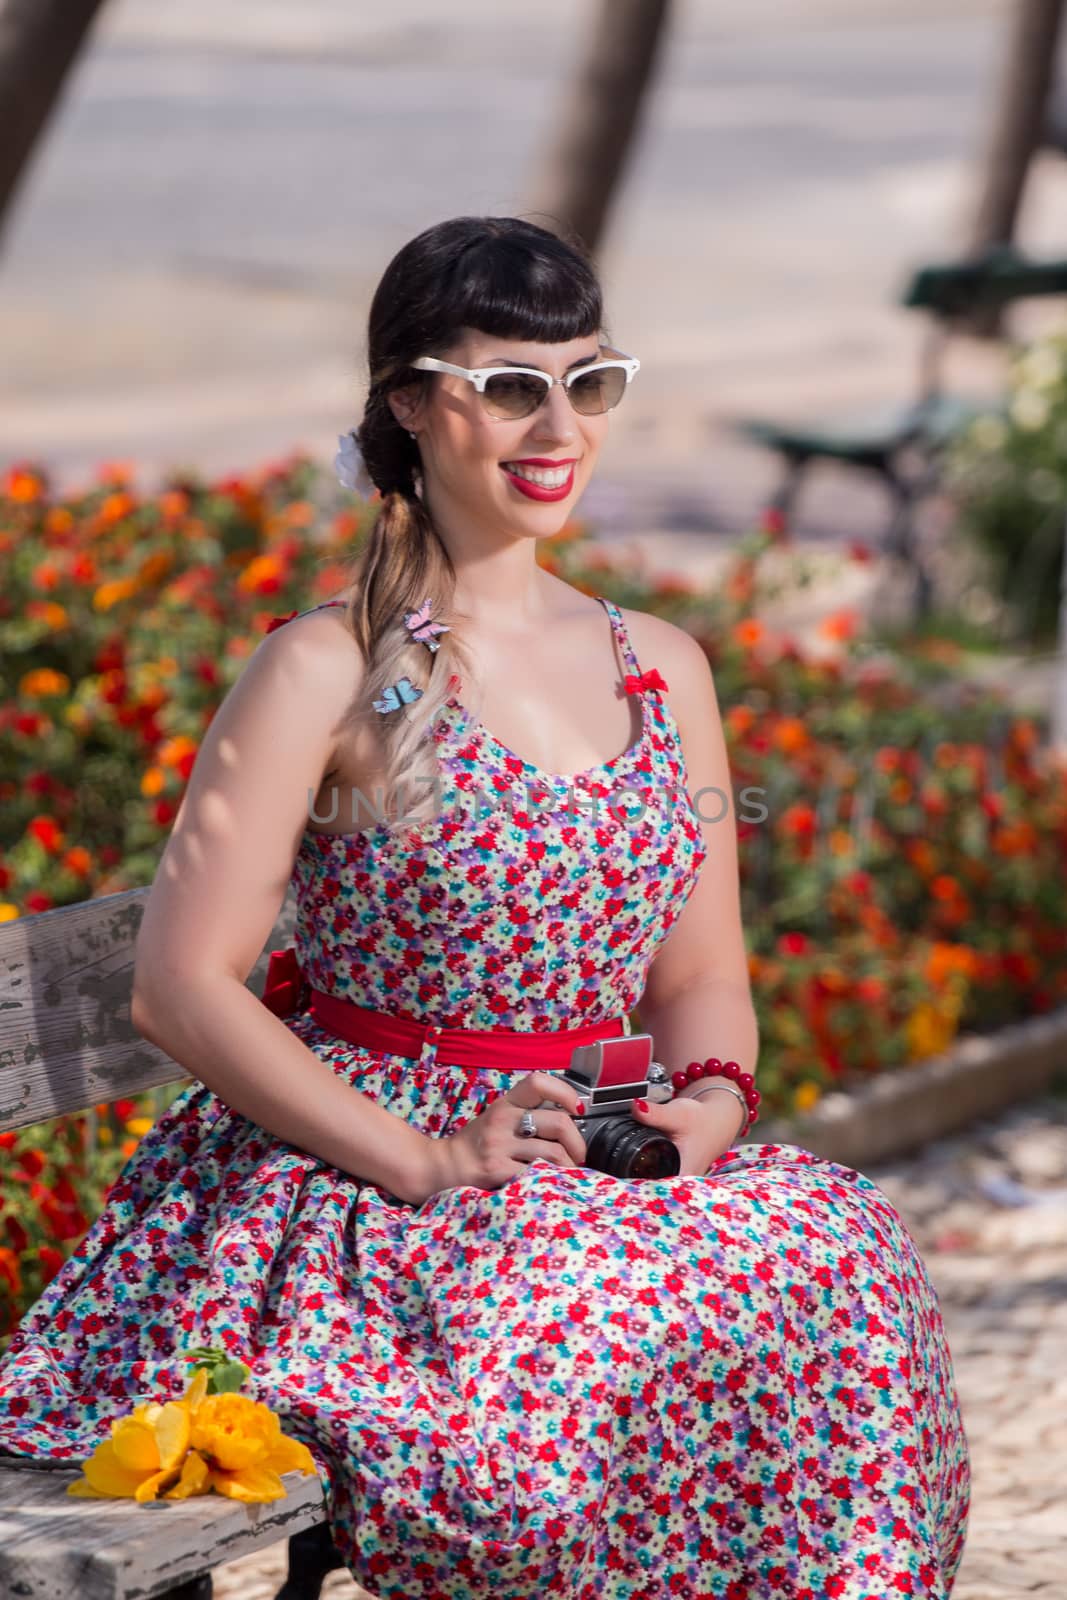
(469, 457)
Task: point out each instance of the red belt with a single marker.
(287, 991)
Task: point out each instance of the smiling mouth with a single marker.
(544, 477)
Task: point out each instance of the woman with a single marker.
(517, 1373)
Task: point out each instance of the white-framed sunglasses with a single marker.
(509, 393)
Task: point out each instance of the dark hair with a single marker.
(506, 278)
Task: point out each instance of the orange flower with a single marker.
(153, 782)
(921, 856)
(50, 612)
(1016, 839)
(173, 504)
(46, 576)
(43, 682)
(946, 960)
(178, 753)
(263, 575)
(9, 1271)
(155, 567)
(748, 633)
(23, 485)
(739, 719)
(78, 860)
(791, 735)
(59, 520)
(115, 507)
(840, 626)
(113, 592)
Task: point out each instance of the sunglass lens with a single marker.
(514, 394)
(597, 391)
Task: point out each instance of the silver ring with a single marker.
(527, 1126)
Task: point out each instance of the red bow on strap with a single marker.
(636, 683)
(285, 988)
(279, 622)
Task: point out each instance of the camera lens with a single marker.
(625, 1149)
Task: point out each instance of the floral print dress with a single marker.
(734, 1386)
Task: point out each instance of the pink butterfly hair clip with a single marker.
(421, 628)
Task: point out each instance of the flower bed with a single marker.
(902, 836)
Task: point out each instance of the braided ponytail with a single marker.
(507, 278)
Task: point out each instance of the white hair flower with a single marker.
(350, 466)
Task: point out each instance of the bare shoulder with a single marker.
(662, 644)
(313, 655)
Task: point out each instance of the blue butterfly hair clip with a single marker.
(403, 692)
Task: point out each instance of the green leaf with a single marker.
(227, 1377)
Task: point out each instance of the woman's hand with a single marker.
(489, 1150)
(702, 1129)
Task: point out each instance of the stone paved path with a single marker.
(988, 1210)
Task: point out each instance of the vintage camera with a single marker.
(609, 1075)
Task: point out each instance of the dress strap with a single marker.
(619, 627)
(279, 622)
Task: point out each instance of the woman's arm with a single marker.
(220, 884)
(698, 998)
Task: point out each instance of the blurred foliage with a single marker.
(1007, 475)
(902, 835)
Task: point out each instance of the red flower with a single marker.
(51, 1259)
(16, 1233)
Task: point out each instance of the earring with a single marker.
(412, 434)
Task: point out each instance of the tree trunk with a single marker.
(39, 40)
(1019, 128)
(580, 170)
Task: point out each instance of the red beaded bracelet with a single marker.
(714, 1068)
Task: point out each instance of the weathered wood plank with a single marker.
(66, 1040)
(53, 1547)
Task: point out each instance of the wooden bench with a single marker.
(904, 444)
(66, 1043)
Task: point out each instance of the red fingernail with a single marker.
(642, 1105)
(580, 1108)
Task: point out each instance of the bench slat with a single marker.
(53, 1547)
(66, 1041)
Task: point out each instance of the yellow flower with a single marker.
(8, 912)
(930, 1029)
(138, 1125)
(806, 1095)
(226, 1442)
(145, 1453)
(245, 1442)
